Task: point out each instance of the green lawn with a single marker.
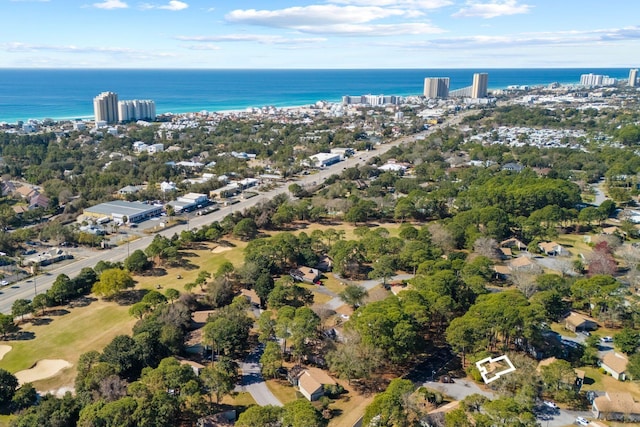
(66, 337)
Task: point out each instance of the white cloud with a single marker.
(111, 4)
(335, 20)
(206, 46)
(258, 38)
(411, 4)
(314, 15)
(492, 9)
(29, 1)
(174, 5)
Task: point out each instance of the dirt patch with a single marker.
(4, 349)
(220, 249)
(45, 368)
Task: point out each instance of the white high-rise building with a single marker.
(480, 85)
(436, 87)
(136, 110)
(633, 77)
(105, 107)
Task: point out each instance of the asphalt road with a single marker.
(253, 382)
(26, 289)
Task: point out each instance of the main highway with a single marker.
(26, 289)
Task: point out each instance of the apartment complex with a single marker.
(596, 80)
(136, 110)
(633, 77)
(479, 87)
(108, 109)
(436, 87)
(105, 107)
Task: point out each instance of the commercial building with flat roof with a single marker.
(118, 209)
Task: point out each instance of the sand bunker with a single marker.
(4, 349)
(45, 368)
(219, 249)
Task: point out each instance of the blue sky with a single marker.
(319, 33)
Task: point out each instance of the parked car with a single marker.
(586, 333)
(582, 421)
(550, 404)
(606, 339)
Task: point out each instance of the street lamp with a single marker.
(35, 286)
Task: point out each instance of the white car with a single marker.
(550, 404)
(582, 421)
(606, 339)
(4, 283)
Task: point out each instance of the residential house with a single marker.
(513, 167)
(513, 243)
(312, 381)
(305, 274)
(251, 296)
(505, 253)
(553, 249)
(615, 364)
(39, 201)
(8, 188)
(616, 407)
(522, 263)
(195, 366)
(26, 191)
(575, 322)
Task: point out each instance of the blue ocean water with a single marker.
(68, 93)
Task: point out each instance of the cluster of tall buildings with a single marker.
(107, 108)
(438, 87)
(372, 100)
(597, 80)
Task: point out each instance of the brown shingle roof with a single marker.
(616, 361)
(313, 378)
(617, 402)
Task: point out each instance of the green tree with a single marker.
(24, 397)
(246, 229)
(40, 302)
(271, 360)
(353, 295)
(300, 413)
(137, 262)
(122, 353)
(172, 294)
(383, 268)
(21, 307)
(633, 367)
(260, 416)
(627, 340)
(7, 326)
(8, 387)
(220, 378)
(389, 408)
(112, 282)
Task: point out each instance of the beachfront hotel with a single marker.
(436, 87)
(105, 107)
(633, 77)
(479, 87)
(136, 110)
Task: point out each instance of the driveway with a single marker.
(253, 382)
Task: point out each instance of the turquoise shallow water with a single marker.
(68, 93)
